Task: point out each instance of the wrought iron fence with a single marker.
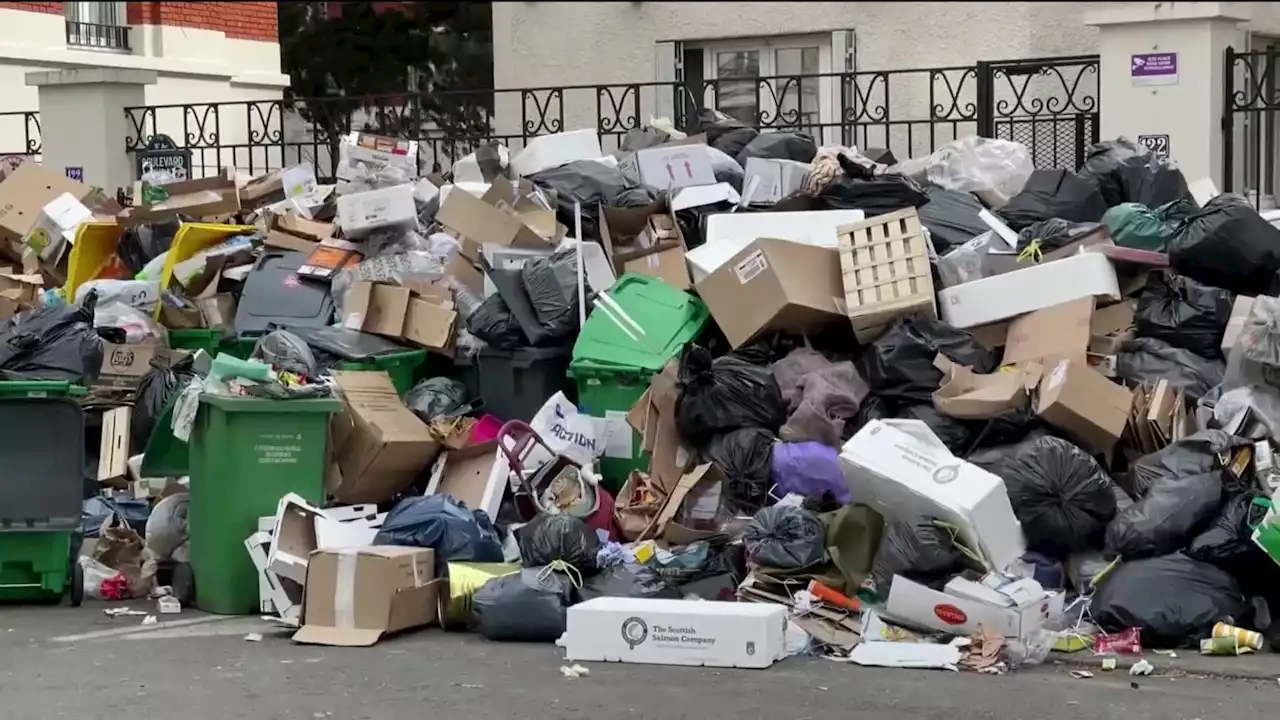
(1251, 124)
(1050, 104)
(21, 133)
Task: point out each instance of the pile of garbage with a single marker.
(720, 398)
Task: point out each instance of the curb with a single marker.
(1255, 667)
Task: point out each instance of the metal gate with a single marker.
(1251, 124)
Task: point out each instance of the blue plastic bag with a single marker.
(446, 525)
(808, 468)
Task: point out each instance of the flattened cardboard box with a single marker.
(380, 445)
(355, 596)
(1086, 405)
(1053, 333)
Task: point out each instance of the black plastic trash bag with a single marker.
(917, 550)
(643, 137)
(724, 132)
(635, 581)
(559, 538)
(528, 606)
(285, 351)
(591, 184)
(1228, 540)
(724, 394)
(1148, 359)
(52, 343)
(1125, 172)
(141, 244)
(1184, 313)
(435, 398)
(1053, 233)
(1060, 494)
(1180, 488)
(745, 457)
(446, 525)
(878, 195)
(1051, 194)
(158, 388)
(956, 434)
(785, 538)
(1228, 245)
(951, 217)
(779, 146)
(769, 349)
(493, 323)
(1173, 599)
(552, 285)
(899, 364)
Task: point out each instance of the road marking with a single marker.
(137, 629)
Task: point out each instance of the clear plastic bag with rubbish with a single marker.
(285, 351)
(1255, 359)
(138, 326)
(975, 165)
(134, 293)
(393, 269)
(965, 263)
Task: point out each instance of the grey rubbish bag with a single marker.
(528, 606)
(786, 538)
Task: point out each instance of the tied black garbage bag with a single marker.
(53, 343)
(785, 538)
(779, 146)
(158, 388)
(1148, 359)
(724, 394)
(141, 244)
(899, 364)
(634, 581)
(1125, 172)
(591, 184)
(528, 606)
(724, 132)
(1229, 246)
(1053, 233)
(877, 195)
(285, 351)
(1051, 194)
(1228, 541)
(1184, 313)
(1060, 494)
(1174, 600)
(494, 323)
(1180, 488)
(445, 525)
(770, 349)
(745, 457)
(951, 217)
(559, 538)
(552, 286)
(435, 398)
(918, 550)
(956, 434)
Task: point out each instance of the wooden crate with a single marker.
(884, 262)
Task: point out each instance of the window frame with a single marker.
(97, 26)
(767, 48)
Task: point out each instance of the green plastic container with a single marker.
(241, 347)
(34, 566)
(613, 370)
(245, 454)
(196, 339)
(401, 366)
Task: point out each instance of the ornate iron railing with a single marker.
(1251, 124)
(20, 127)
(98, 37)
(1049, 104)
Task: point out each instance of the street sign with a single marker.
(1157, 144)
(162, 155)
(1148, 69)
(75, 173)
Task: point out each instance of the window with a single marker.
(97, 25)
(765, 82)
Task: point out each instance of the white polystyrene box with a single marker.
(728, 234)
(552, 151)
(1011, 294)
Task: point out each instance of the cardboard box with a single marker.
(380, 445)
(1235, 325)
(18, 293)
(885, 271)
(1016, 293)
(1111, 326)
(667, 265)
(364, 154)
(910, 474)
(476, 475)
(330, 257)
(670, 167)
(201, 198)
(773, 285)
(26, 191)
(293, 538)
(364, 212)
(646, 240)
(1052, 333)
(430, 325)
(113, 455)
(676, 632)
(654, 417)
(1083, 403)
(376, 308)
(917, 605)
(276, 595)
(969, 395)
(124, 366)
(506, 215)
(672, 526)
(552, 151)
(776, 179)
(55, 229)
(727, 234)
(355, 596)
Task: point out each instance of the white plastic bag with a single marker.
(974, 165)
(134, 293)
(138, 326)
(567, 431)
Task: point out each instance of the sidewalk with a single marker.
(1264, 665)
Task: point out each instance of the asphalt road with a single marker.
(58, 662)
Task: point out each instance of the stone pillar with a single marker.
(1162, 76)
(83, 123)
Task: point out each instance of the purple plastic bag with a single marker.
(808, 468)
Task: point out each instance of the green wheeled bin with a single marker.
(41, 491)
(613, 368)
(245, 454)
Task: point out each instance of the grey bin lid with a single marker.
(274, 294)
(42, 460)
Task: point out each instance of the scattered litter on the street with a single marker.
(574, 671)
(1081, 674)
(168, 606)
(253, 637)
(150, 620)
(118, 611)
(1142, 667)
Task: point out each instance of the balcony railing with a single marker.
(98, 37)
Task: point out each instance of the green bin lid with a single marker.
(670, 318)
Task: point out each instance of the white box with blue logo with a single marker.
(676, 632)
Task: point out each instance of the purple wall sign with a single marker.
(1154, 69)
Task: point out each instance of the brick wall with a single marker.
(52, 8)
(243, 20)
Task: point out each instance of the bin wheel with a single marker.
(77, 584)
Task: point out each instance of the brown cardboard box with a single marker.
(201, 198)
(1111, 326)
(1091, 409)
(654, 417)
(353, 597)
(706, 478)
(430, 325)
(380, 445)
(495, 218)
(468, 475)
(218, 312)
(667, 265)
(647, 240)
(969, 395)
(25, 192)
(1057, 332)
(376, 308)
(124, 366)
(113, 455)
(18, 293)
(774, 285)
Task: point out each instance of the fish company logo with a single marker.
(950, 614)
(946, 474)
(634, 631)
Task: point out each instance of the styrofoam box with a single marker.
(1011, 294)
(551, 151)
(676, 632)
(729, 233)
(904, 476)
(361, 213)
